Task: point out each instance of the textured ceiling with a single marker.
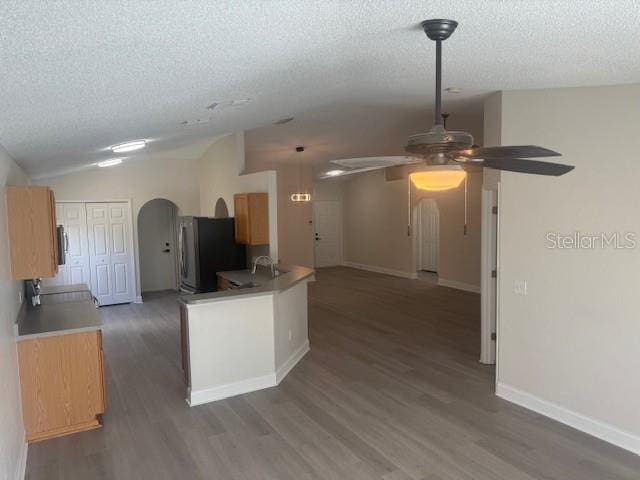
(80, 76)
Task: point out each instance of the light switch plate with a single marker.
(520, 287)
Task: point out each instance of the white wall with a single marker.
(570, 347)
(220, 175)
(139, 181)
(12, 440)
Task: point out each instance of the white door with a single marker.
(430, 232)
(77, 246)
(328, 233)
(156, 239)
(111, 252)
(73, 217)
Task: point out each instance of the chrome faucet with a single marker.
(270, 263)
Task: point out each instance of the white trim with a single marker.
(21, 467)
(386, 271)
(138, 299)
(601, 430)
(291, 362)
(467, 287)
(231, 389)
(488, 285)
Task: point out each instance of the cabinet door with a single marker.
(61, 382)
(241, 207)
(258, 219)
(31, 221)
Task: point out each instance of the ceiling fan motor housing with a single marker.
(438, 144)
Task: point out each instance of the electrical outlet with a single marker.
(520, 287)
(290, 336)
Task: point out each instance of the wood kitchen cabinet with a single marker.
(32, 232)
(62, 383)
(251, 218)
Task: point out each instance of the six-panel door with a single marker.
(110, 252)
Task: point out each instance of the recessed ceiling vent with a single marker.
(229, 103)
(283, 121)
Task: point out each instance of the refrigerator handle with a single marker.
(183, 247)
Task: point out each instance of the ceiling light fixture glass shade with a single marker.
(129, 146)
(438, 178)
(334, 173)
(110, 163)
(301, 197)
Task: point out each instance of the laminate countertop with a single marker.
(64, 310)
(264, 285)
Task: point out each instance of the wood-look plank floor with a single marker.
(391, 390)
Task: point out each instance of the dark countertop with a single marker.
(291, 275)
(64, 310)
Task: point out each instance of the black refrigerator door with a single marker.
(218, 251)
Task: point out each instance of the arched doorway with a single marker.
(157, 245)
(428, 238)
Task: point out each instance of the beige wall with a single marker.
(375, 222)
(219, 175)
(459, 255)
(295, 230)
(12, 443)
(139, 181)
(573, 341)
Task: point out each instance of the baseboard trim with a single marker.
(467, 287)
(231, 389)
(291, 362)
(21, 467)
(596, 428)
(383, 270)
(138, 299)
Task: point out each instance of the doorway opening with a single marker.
(157, 245)
(427, 248)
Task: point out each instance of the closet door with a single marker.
(77, 245)
(73, 217)
(111, 252)
(99, 257)
(121, 253)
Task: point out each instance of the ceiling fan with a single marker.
(446, 153)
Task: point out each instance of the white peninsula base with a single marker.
(244, 342)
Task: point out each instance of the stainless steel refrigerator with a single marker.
(207, 246)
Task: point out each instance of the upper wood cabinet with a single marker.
(251, 218)
(32, 232)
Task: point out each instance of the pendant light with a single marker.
(300, 196)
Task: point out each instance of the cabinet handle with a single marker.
(66, 242)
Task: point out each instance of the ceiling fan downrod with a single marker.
(439, 30)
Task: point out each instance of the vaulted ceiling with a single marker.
(78, 77)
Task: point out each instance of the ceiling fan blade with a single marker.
(375, 162)
(520, 165)
(516, 151)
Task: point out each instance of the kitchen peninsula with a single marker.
(247, 337)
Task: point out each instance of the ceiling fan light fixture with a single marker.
(438, 178)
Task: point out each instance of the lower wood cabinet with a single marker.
(62, 382)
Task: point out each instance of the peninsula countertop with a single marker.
(290, 275)
(64, 310)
